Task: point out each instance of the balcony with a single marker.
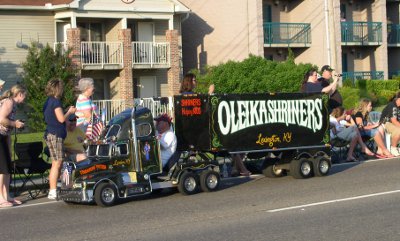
(393, 35)
(287, 34)
(101, 55)
(150, 55)
(363, 75)
(361, 33)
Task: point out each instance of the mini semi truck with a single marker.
(289, 130)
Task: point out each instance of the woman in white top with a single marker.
(350, 133)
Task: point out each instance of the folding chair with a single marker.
(339, 149)
(30, 166)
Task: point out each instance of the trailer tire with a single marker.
(271, 171)
(209, 181)
(105, 194)
(301, 168)
(188, 183)
(322, 165)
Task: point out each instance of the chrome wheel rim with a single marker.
(212, 181)
(108, 195)
(190, 184)
(305, 168)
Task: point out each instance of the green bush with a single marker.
(253, 75)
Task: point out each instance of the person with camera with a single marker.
(8, 106)
(335, 99)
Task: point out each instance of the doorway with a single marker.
(148, 87)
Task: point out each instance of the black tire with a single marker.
(188, 183)
(301, 168)
(209, 181)
(321, 167)
(271, 171)
(105, 194)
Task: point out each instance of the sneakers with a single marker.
(52, 194)
(394, 151)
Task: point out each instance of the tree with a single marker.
(42, 65)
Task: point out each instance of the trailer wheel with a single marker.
(301, 168)
(105, 195)
(209, 181)
(271, 171)
(188, 183)
(322, 165)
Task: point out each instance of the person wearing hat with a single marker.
(166, 137)
(73, 143)
(335, 99)
(391, 120)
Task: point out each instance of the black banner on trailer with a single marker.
(251, 122)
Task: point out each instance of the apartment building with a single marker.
(131, 48)
(359, 38)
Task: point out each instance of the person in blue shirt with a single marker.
(55, 132)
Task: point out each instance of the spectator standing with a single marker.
(166, 137)
(335, 99)
(84, 106)
(8, 105)
(391, 119)
(189, 83)
(375, 130)
(312, 85)
(55, 132)
(73, 144)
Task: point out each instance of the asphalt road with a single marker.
(357, 201)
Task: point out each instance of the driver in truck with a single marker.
(166, 137)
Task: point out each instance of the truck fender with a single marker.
(106, 180)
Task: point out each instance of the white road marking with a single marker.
(333, 201)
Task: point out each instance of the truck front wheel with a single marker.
(301, 168)
(322, 165)
(209, 181)
(105, 195)
(188, 183)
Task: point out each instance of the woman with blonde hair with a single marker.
(8, 105)
(350, 133)
(55, 130)
(366, 128)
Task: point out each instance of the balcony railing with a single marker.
(157, 106)
(287, 34)
(393, 74)
(361, 33)
(363, 75)
(101, 54)
(393, 34)
(150, 54)
(110, 108)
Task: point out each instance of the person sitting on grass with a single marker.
(349, 134)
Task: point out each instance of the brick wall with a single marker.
(125, 75)
(172, 37)
(74, 43)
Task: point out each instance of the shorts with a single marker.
(348, 133)
(5, 160)
(55, 145)
(392, 129)
(370, 132)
